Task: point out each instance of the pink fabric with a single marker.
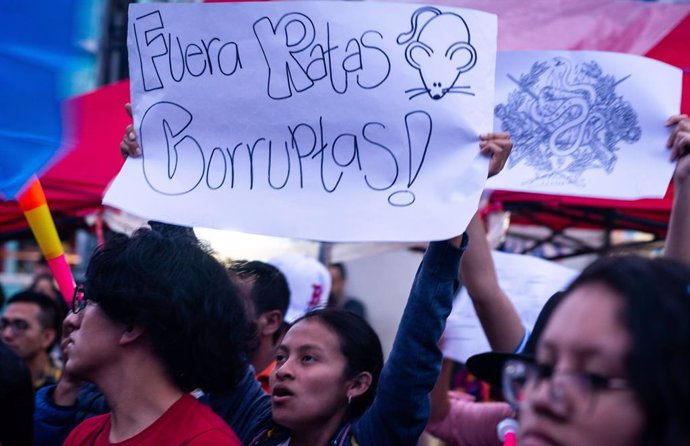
(625, 26)
(469, 423)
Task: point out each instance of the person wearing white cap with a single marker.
(309, 282)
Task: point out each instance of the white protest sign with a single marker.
(586, 123)
(528, 281)
(332, 121)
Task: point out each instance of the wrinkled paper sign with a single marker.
(322, 120)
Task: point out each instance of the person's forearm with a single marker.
(439, 394)
(677, 245)
(495, 311)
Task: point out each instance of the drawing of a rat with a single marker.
(440, 50)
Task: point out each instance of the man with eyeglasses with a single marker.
(30, 326)
(156, 318)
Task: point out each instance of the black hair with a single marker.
(50, 314)
(16, 400)
(359, 344)
(44, 276)
(183, 298)
(341, 268)
(656, 312)
(539, 325)
(49, 277)
(269, 289)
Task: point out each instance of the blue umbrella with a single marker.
(37, 50)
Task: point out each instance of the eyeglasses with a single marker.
(580, 388)
(16, 325)
(79, 299)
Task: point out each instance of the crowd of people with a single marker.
(163, 344)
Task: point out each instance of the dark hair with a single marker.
(50, 314)
(656, 303)
(44, 276)
(341, 269)
(16, 400)
(59, 300)
(269, 289)
(359, 344)
(190, 310)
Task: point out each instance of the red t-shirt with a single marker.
(185, 423)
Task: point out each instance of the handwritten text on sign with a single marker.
(328, 121)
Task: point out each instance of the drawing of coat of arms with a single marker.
(566, 119)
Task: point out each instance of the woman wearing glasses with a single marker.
(613, 362)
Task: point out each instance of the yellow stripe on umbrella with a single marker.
(33, 203)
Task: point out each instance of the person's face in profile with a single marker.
(91, 340)
(580, 394)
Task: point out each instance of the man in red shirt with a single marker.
(145, 329)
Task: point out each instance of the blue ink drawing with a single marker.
(566, 120)
(440, 49)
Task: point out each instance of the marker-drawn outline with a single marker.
(566, 120)
(440, 50)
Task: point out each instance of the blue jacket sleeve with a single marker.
(401, 408)
(247, 408)
(52, 423)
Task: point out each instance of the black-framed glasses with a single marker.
(17, 326)
(522, 377)
(79, 299)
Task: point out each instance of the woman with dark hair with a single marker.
(330, 386)
(613, 363)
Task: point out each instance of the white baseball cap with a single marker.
(308, 280)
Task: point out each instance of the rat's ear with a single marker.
(417, 53)
(463, 55)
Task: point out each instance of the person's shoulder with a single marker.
(94, 422)
(85, 430)
(215, 437)
(355, 305)
(203, 422)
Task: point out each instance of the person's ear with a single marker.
(358, 385)
(131, 334)
(270, 322)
